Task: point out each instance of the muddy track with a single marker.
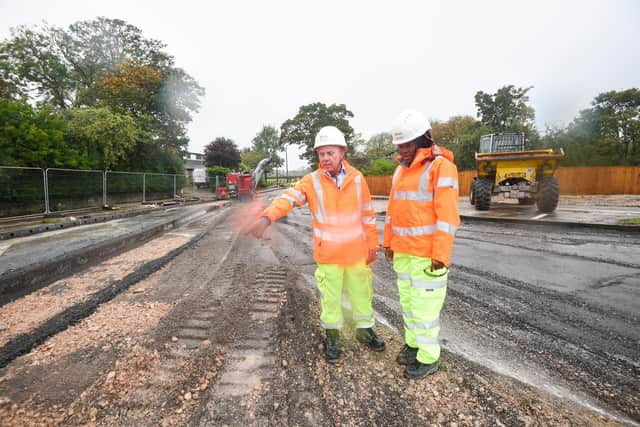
(23, 343)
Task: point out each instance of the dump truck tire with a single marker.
(548, 194)
(472, 197)
(482, 193)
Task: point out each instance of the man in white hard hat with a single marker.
(345, 239)
(422, 219)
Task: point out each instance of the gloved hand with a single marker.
(371, 257)
(436, 265)
(388, 254)
(258, 227)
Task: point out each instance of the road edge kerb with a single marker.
(571, 224)
(44, 228)
(38, 275)
(24, 343)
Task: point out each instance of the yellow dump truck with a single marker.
(505, 168)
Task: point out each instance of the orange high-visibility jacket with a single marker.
(343, 220)
(422, 215)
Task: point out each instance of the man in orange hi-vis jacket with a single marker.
(422, 219)
(345, 238)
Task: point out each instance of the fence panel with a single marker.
(22, 191)
(124, 187)
(181, 183)
(159, 186)
(70, 189)
(572, 180)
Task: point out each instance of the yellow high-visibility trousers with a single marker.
(422, 294)
(357, 280)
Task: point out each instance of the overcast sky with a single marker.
(260, 61)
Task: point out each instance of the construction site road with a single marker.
(27, 262)
(540, 327)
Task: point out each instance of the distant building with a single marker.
(191, 162)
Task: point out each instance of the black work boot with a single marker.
(332, 345)
(418, 370)
(368, 337)
(407, 356)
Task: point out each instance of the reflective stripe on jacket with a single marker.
(422, 215)
(343, 220)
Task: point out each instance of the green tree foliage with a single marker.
(508, 110)
(249, 159)
(33, 137)
(380, 167)
(379, 146)
(100, 136)
(606, 134)
(301, 130)
(449, 133)
(267, 144)
(34, 65)
(106, 63)
(468, 144)
(222, 152)
(617, 115)
(218, 170)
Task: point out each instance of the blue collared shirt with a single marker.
(339, 178)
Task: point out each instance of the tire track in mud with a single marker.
(191, 351)
(238, 396)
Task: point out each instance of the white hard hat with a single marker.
(409, 125)
(329, 135)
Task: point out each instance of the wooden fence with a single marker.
(573, 181)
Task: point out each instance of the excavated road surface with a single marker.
(226, 332)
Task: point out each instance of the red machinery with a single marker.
(242, 185)
(239, 185)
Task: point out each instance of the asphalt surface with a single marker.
(551, 306)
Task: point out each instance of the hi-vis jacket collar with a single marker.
(423, 155)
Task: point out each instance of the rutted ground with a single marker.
(228, 333)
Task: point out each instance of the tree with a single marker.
(105, 63)
(617, 116)
(222, 152)
(506, 110)
(302, 129)
(380, 167)
(450, 132)
(606, 134)
(267, 143)
(249, 159)
(379, 146)
(33, 64)
(101, 136)
(33, 137)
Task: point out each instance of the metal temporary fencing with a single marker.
(70, 190)
(22, 191)
(27, 192)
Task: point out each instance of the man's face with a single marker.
(407, 151)
(330, 158)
